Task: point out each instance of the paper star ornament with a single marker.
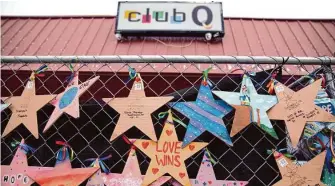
(250, 107)
(68, 101)
(16, 172)
(167, 155)
(24, 108)
(96, 179)
(135, 110)
(205, 114)
(293, 174)
(62, 174)
(206, 176)
(296, 108)
(326, 104)
(131, 174)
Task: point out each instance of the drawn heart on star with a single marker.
(210, 182)
(154, 170)
(191, 147)
(145, 144)
(168, 132)
(181, 174)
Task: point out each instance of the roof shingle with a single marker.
(95, 36)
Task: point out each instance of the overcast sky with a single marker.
(295, 9)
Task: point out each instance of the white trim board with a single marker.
(264, 9)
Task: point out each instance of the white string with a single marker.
(176, 46)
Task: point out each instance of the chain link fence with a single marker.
(89, 135)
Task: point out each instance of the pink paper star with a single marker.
(96, 179)
(68, 101)
(16, 172)
(62, 174)
(206, 176)
(131, 175)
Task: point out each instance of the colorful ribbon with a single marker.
(62, 153)
(205, 80)
(132, 74)
(208, 155)
(281, 154)
(26, 148)
(323, 81)
(271, 86)
(126, 139)
(69, 78)
(163, 114)
(309, 77)
(39, 71)
(101, 163)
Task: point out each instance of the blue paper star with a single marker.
(205, 114)
(260, 103)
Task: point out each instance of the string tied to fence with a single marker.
(281, 153)
(205, 80)
(209, 156)
(130, 142)
(69, 78)
(39, 72)
(311, 79)
(323, 84)
(271, 86)
(63, 152)
(26, 148)
(131, 75)
(101, 162)
(163, 114)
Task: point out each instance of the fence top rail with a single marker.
(171, 59)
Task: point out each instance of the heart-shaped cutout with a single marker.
(191, 147)
(145, 144)
(168, 132)
(154, 170)
(181, 174)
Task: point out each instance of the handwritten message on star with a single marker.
(170, 154)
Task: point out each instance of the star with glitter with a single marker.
(131, 174)
(205, 114)
(250, 107)
(206, 176)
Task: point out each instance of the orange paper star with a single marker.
(167, 156)
(296, 108)
(293, 174)
(135, 110)
(62, 174)
(24, 108)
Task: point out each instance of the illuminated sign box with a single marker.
(170, 19)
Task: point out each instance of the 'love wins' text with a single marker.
(169, 153)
